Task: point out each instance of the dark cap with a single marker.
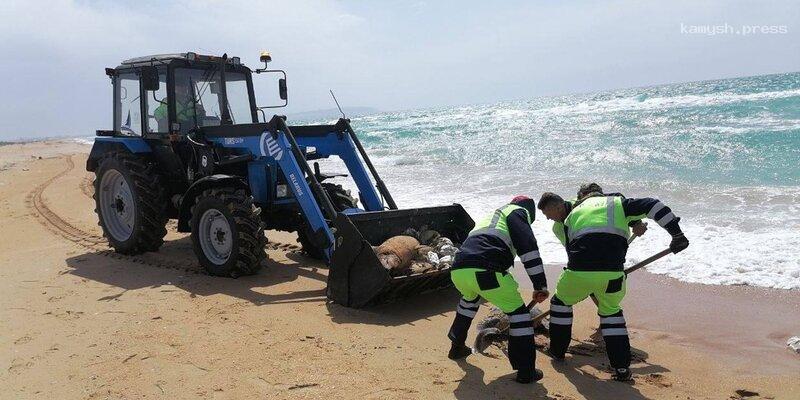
(526, 203)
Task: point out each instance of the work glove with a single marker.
(639, 228)
(679, 243)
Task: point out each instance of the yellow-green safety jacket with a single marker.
(497, 239)
(596, 231)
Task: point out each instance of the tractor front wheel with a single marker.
(227, 232)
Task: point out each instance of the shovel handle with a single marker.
(639, 265)
(648, 260)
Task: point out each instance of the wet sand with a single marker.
(739, 325)
(82, 322)
(745, 327)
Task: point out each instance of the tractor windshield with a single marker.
(198, 98)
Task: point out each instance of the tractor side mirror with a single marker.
(282, 90)
(150, 78)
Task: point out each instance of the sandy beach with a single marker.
(81, 322)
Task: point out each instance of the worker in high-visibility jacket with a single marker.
(189, 112)
(595, 234)
(480, 270)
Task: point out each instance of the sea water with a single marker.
(723, 154)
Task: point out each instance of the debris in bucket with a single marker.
(397, 252)
(416, 252)
(794, 343)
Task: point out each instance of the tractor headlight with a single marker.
(282, 191)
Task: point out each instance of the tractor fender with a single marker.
(207, 182)
(105, 145)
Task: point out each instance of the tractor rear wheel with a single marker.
(130, 203)
(227, 232)
(341, 200)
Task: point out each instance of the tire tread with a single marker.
(250, 256)
(151, 205)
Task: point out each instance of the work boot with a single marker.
(528, 376)
(458, 351)
(622, 374)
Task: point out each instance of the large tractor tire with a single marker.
(227, 232)
(130, 203)
(341, 200)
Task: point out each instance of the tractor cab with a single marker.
(171, 101)
(175, 94)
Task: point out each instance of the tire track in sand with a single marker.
(51, 220)
(97, 243)
(87, 186)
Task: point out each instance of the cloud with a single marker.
(390, 55)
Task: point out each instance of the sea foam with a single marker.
(723, 154)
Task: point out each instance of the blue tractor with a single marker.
(188, 144)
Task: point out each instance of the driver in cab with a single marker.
(188, 112)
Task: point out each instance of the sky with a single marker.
(388, 55)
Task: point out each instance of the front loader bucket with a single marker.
(357, 278)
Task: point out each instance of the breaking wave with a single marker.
(725, 155)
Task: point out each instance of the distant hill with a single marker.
(331, 113)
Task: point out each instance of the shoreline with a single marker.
(84, 322)
(739, 324)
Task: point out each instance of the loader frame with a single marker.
(281, 150)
